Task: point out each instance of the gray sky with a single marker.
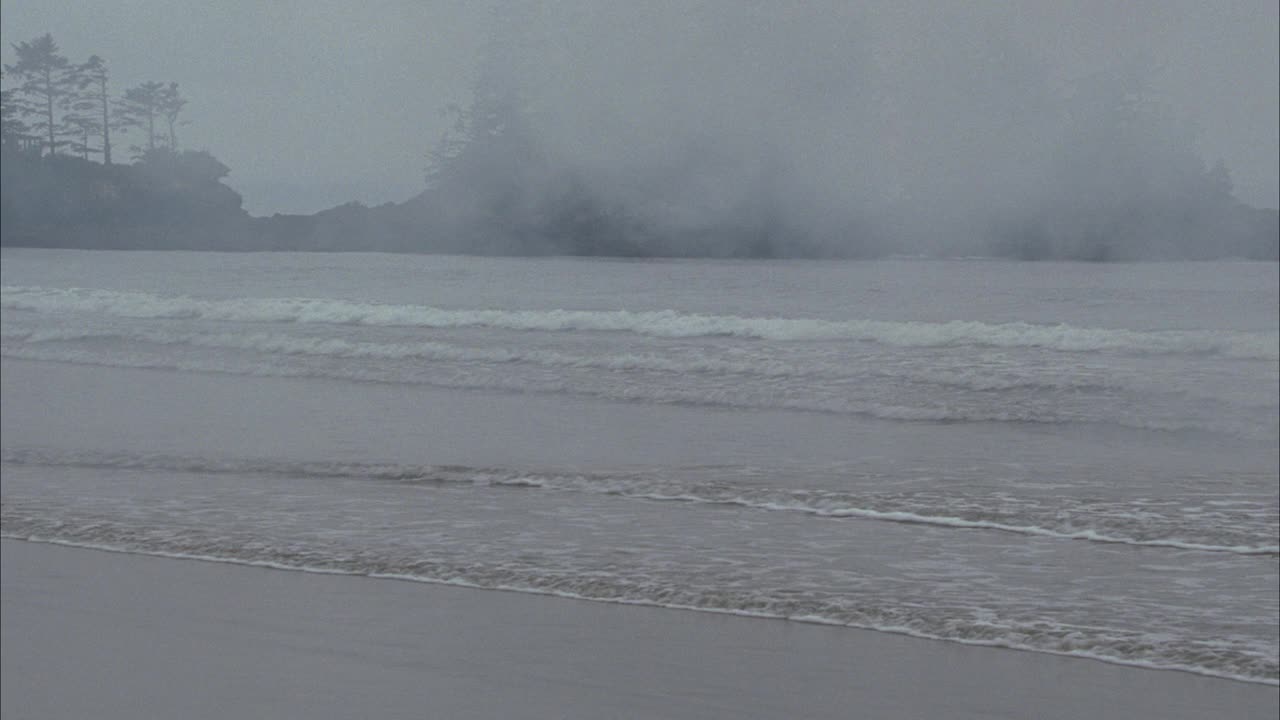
(316, 102)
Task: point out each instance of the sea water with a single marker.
(1066, 458)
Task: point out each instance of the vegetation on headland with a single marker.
(1125, 184)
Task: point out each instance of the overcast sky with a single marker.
(316, 102)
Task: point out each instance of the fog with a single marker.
(759, 329)
(814, 129)
(727, 128)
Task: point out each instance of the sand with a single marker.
(108, 635)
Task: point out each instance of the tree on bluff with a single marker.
(492, 187)
(1120, 178)
(48, 82)
(92, 106)
(171, 105)
(140, 108)
(145, 106)
(15, 135)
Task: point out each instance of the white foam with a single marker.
(842, 508)
(913, 509)
(1103, 649)
(742, 363)
(659, 323)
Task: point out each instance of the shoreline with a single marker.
(805, 620)
(122, 634)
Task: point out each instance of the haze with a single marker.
(317, 103)
(600, 358)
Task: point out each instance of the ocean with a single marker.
(1064, 458)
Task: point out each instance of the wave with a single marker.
(959, 513)
(1061, 518)
(659, 323)
(437, 351)
(736, 396)
(683, 363)
(766, 362)
(1236, 661)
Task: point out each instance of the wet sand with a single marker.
(97, 634)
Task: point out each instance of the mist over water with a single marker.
(1081, 131)
(777, 129)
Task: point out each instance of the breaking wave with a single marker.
(686, 362)
(1243, 530)
(661, 323)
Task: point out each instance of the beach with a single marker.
(698, 360)
(98, 634)
(377, 486)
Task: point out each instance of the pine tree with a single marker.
(91, 83)
(14, 133)
(85, 127)
(170, 105)
(140, 107)
(48, 80)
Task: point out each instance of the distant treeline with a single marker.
(62, 107)
(1118, 189)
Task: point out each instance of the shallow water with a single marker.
(1067, 458)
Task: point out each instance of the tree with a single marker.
(140, 107)
(14, 133)
(84, 127)
(170, 104)
(1126, 179)
(47, 81)
(91, 82)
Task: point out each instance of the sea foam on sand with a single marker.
(95, 634)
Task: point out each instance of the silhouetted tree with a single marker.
(91, 82)
(140, 107)
(14, 133)
(85, 127)
(48, 80)
(1122, 181)
(170, 104)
